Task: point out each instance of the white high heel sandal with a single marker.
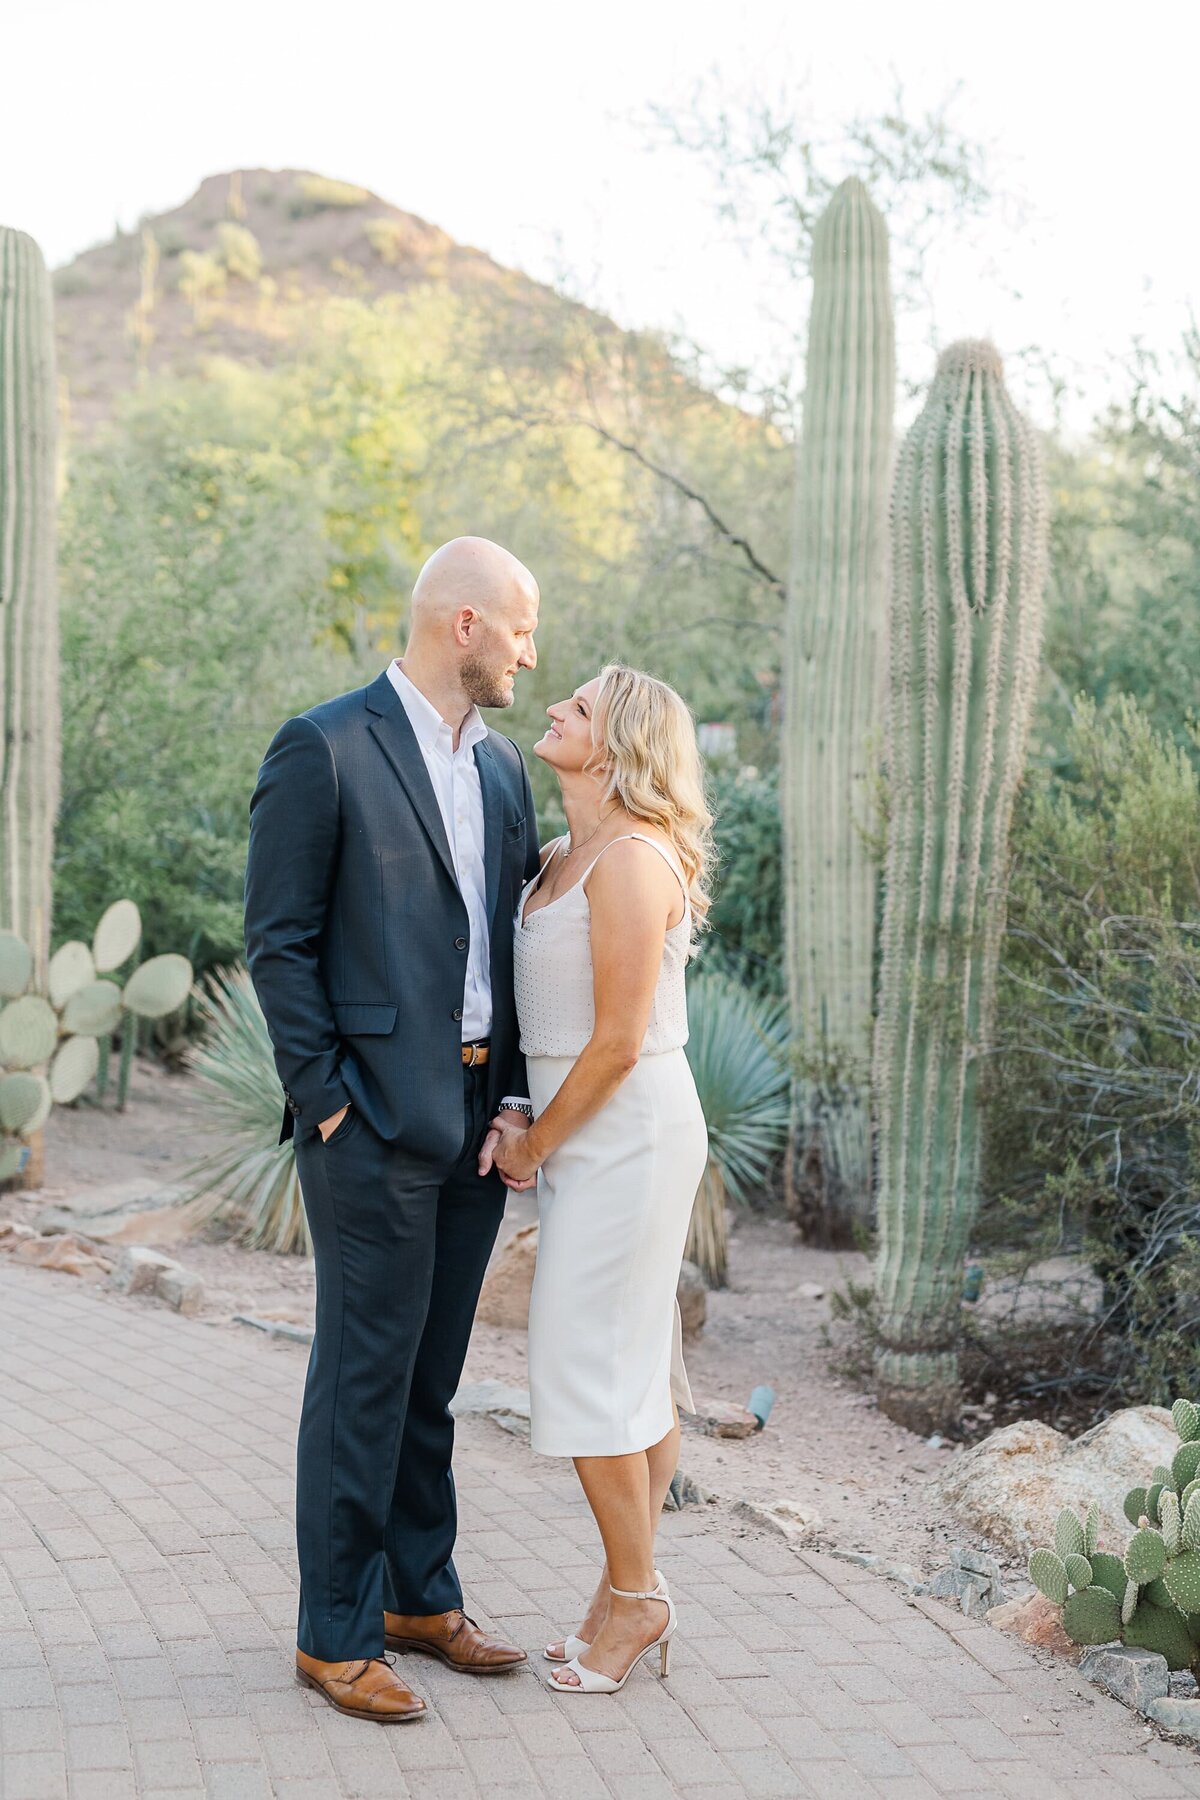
(591, 1681)
(575, 1646)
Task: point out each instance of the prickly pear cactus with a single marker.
(1150, 1597)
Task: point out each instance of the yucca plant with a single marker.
(251, 1179)
(736, 1049)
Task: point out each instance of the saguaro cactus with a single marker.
(833, 670)
(30, 742)
(968, 571)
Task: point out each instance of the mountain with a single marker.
(225, 271)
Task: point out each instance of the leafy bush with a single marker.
(314, 193)
(191, 575)
(1093, 1138)
(747, 914)
(238, 250)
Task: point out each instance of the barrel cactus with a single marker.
(833, 669)
(1150, 1597)
(968, 570)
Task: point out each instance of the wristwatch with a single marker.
(508, 1104)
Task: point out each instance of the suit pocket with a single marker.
(515, 825)
(360, 1019)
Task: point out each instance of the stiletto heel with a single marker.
(575, 1646)
(591, 1681)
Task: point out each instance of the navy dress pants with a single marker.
(401, 1248)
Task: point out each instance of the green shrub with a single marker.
(1093, 1108)
(315, 193)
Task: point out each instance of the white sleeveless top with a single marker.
(552, 970)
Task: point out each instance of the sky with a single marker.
(522, 129)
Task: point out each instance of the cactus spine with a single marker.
(30, 742)
(833, 669)
(968, 570)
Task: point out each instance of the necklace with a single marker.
(572, 846)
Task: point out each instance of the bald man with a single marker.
(390, 835)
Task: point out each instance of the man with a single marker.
(390, 835)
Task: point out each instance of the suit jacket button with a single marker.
(457, 1013)
(460, 943)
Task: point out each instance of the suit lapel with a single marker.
(493, 822)
(396, 738)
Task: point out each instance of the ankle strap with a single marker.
(632, 1594)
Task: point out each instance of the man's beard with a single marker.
(483, 684)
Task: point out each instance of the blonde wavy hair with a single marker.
(646, 739)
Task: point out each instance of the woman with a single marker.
(602, 936)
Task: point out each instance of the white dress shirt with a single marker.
(459, 796)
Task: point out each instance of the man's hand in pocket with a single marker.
(327, 1127)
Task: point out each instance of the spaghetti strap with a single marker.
(654, 845)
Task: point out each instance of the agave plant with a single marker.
(251, 1178)
(736, 1048)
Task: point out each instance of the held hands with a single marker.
(505, 1148)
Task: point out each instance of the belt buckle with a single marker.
(474, 1048)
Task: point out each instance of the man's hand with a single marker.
(327, 1127)
(507, 1121)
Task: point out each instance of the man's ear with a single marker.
(464, 622)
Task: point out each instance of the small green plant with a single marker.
(316, 193)
(238, 250)
(736, 1049)
(251, 1178)
(1150, 1597)
(390, 239)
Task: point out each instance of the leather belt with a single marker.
(475, 1055)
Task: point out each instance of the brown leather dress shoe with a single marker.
(367, 1688)
(455, 1638)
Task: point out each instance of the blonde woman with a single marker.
(618, 1142)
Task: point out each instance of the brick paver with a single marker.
(147, 1612)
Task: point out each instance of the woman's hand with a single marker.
(513, 1154)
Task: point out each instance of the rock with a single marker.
(692, 1295)
(141, 1211)
(181, 1289)
(973, 1592)
(810, 1290)
(277, 1328)
(137, 1269)
(1135, 1676)
(507, 1406)
(63, 1251)
(1012, 1486)
(791, 1519)
(976, 1563)
(11, 1233)
(1035, 1620)
(504, 1298)
(718, 1418)
(1176, 1715)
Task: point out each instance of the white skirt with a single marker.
(614, 1203)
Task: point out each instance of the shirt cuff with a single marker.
(517, 1100)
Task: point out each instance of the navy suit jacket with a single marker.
(356, 933)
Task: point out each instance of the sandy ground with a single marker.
(825, 1447)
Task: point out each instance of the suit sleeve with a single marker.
(294, 840)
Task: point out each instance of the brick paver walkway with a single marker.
(147, 1610)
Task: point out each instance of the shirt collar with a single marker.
(425, 719)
